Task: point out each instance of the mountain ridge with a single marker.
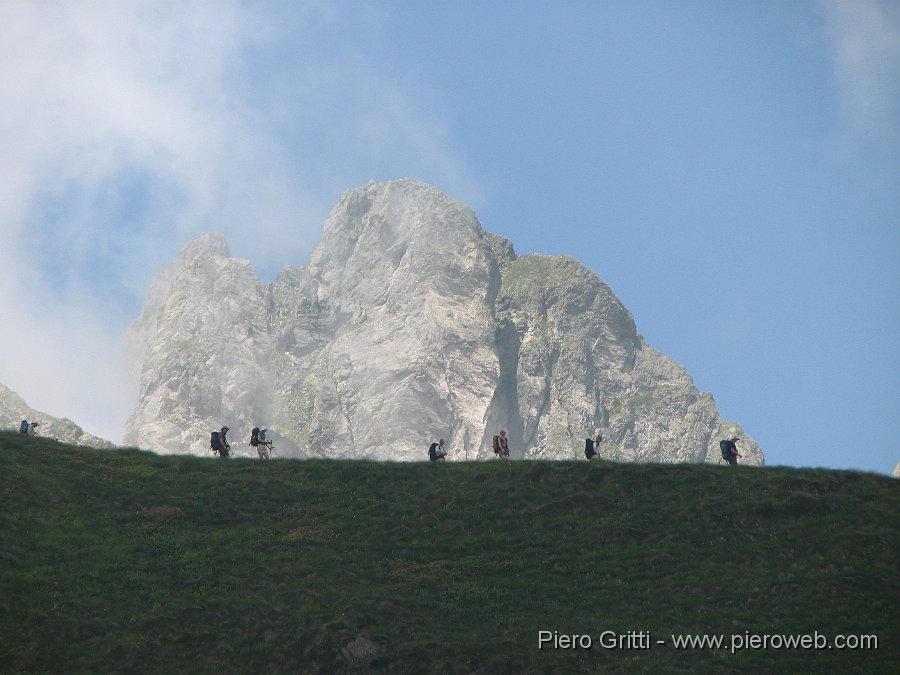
(14, 409)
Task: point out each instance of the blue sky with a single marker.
(731, 169)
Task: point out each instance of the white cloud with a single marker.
(865, 41)
(89, 92)
(128, 128)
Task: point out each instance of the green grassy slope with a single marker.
(114, 561)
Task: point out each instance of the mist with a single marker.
(130, 128)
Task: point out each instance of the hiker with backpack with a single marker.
(590, 447)
(436, 452)
(258, 440)
(28, 429)
(501, 445)
(729, 450)
(219, 444)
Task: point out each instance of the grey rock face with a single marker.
(408, 323)
(386, 337)
(13, 410)
(573, 363)
(896, 473)
(204, 351)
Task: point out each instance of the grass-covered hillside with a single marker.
(124, 561)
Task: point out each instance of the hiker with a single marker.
(262, 438)
(28, 429)
(501, 445)
(729, 450)
(265, 442)
(218, 444)
(258, 441)
(590, 447)
(436, 452)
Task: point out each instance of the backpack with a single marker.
(588, 448)
(254, 437)
(496, 445)
(432, 452)
(725, 447)
(214, 442)
(23, 427)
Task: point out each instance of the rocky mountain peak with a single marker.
(389, 230)
(209, 244)
(410, 322)
(201, 349)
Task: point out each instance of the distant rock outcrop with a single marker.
(409, 322)
(896, 473)
(13, 410)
